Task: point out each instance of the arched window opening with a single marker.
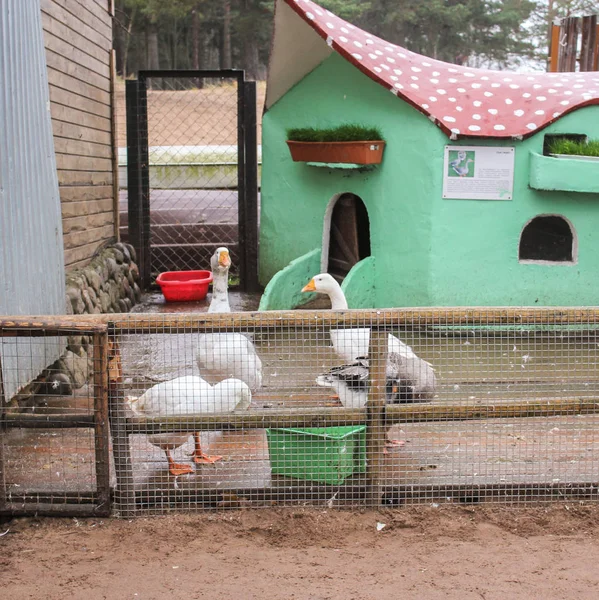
(547, 238)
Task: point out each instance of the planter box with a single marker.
(564, 174)
(577, 157)
(360, 153)
(325, 454)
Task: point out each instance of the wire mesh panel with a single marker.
(54, 454)
(325, 408)
(190, 173)
(357, 407)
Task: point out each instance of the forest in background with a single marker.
(222, 34)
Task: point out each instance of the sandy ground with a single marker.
(446, 553)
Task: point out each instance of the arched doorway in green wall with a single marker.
(346, 234)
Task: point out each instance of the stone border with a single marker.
(108, 284)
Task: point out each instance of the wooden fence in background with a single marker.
(574, 39)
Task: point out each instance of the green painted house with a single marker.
(467, 206)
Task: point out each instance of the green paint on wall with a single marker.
(359, 284)
(429, 251)
(284, 291)
(564, 174)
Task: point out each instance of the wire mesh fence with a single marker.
(353, 408)
(191, 170)
(54, 440)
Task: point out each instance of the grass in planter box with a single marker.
(343, 133)
(573, 147)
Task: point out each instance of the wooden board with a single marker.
(82, 178)
(98, 20)
(74, 116)
(63, 64)
(83, 88)
(53, 25)
(84, 193)
(87, 236)
(85, 223)
(83, 163)
(77, 56)
(82, 133)
(91, 207)
(62, 11)
(81, 148)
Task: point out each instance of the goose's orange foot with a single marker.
(177, 469)
(204, 459)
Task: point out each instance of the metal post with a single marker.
(138, 193)
(375, 416)
(250, 248)
(241, 182)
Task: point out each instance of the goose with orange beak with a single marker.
(220, 263)
(353, 344)
(224, 355)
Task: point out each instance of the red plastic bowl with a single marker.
(184, 286)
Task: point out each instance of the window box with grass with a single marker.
(579, 149)
(346, 144)
(569, 165)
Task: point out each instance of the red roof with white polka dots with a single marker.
(462, 101)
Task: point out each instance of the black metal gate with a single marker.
(192, 179)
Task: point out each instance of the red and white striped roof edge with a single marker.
(462, 101)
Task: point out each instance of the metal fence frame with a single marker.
(138, 169)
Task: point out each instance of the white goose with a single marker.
(188, 395)
(223, 355)
(353, 344)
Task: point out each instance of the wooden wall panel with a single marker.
(78, 40)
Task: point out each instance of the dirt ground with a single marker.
(445, 553)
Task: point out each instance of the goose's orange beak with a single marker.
(224, 260)
(309, 287)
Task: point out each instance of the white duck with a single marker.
(188, 395)
(223, 355)
(352, 344)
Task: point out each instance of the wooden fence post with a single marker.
(2, 436)
(124, 497)
(375, 416)
(100, 387)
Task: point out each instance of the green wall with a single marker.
(428, 251)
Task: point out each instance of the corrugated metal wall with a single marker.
(31, 251)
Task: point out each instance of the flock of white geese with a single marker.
(231, 370)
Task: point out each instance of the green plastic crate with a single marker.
(325, 454)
